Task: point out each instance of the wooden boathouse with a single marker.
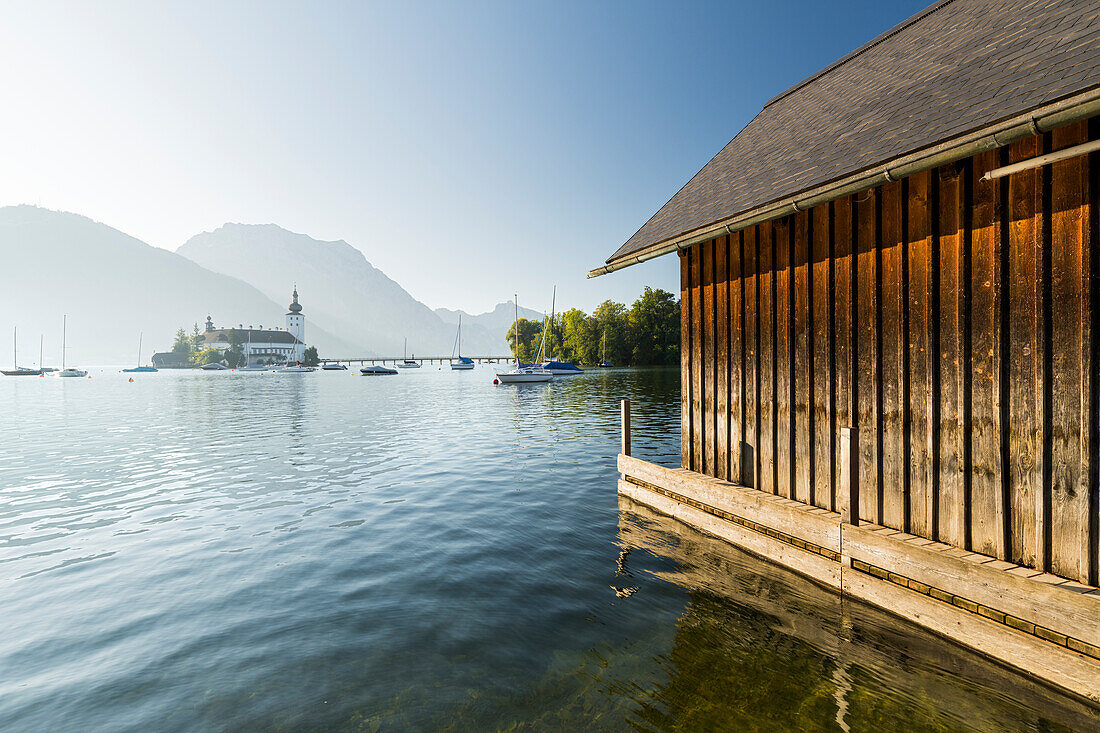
(890, 299)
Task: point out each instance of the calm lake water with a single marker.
(227, 551)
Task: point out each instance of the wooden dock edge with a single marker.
(1037, 624)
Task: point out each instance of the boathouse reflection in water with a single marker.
(762, 648)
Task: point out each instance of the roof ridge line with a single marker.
(859, 51)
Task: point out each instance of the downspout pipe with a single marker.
(1057, 114)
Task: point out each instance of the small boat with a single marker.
(297, 368)
(255, 368)
(71, 371)
(523, 374)
(214, 367)
(331, 367)
(605, 365)
(562, 368)
(406, 362)
(557, 368)
(16, 370)
(376, 369)
(463, 363)
(139, 367)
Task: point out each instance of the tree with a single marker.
(182, 344)
(197, 344)
(655, 328)
(209, 355)
(612, 323)
(310, 357)
(529, 334)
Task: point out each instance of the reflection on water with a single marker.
(428, 552)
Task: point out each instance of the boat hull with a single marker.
(524, 376)
(142, 369)
(376, 371)
(72, 373)
(461, 367)
(22, 373)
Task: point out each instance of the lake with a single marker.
(325, 551)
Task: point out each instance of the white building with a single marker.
(263, 346)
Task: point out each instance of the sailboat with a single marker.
(16, 370)
(71, 371)
(406, 362)
(464, 363)
(604, 363)
(248, 365)
(557, 368)
(139, 367)
(523, 374)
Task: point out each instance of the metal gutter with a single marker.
(1043, 119)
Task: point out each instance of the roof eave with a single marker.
(1034, 122)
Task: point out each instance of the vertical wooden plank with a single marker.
(685, 358)
(1024, 390)
(867, 356)
(893, 339)
(921, 356)
(784, 425)
(767, 357)
(821, 412)
(735, 337)
(722, 363)
(802, 382)
(843, 293)
(1071, 383)
(951, 499)
(699, 437)
(709, 371)
(987, 510)
(750, 454)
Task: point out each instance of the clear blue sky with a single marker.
(469, 149)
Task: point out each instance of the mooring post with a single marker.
(626, 428)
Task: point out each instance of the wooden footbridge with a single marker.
(417, 359)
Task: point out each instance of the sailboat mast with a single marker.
(64, 326)
(550, 341)
(139, 348)
(15, 348)
(41, 339)
(517, 331)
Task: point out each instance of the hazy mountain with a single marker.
(498, 320)
(338, 289)
(113, 287)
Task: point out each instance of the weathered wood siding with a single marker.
(949, 322)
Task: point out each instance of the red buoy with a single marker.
(495, 382)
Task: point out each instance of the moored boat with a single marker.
(376, 369)
(463, 363)
(16, 370)
(406, 362)
(139, 367)
(333, 367)
(70, 371)
(522, 374)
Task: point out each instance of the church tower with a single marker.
(296, 324)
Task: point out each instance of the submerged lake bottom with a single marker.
(265, 551)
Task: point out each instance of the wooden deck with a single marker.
(1036, 623)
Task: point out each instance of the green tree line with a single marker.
(647, 333)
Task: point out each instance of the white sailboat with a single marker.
(406, 362)
(71, 371)
(464, 363)
(521, 374)
(16, 370)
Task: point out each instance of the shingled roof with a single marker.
(956, 67)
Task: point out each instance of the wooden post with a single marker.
(625, 450)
